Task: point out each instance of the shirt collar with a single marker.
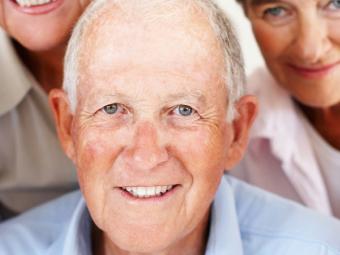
(224, 234)
(76, 236)
(278, 116)
(14, 77)
(281, 122)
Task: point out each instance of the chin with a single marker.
(143, 243)
(319, 102)
(42, 43)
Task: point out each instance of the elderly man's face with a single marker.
(150, 137)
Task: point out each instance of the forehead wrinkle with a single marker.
(116, 77)
(132, 94)
(196, 95)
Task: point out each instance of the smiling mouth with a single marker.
(314, 72)
(148, 192)
(32, 3)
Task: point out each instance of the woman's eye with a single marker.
(111, 108)
(334, 5)
(277, 15)
(332, 9)
(275, 11)
(184, 110)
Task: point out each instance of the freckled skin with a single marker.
(148, 70)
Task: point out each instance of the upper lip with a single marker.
(314, 68)
(144, 185)
(15, 1)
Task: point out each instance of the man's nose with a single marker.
(146, 150)
(311, 40)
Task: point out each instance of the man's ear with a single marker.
(246, 110)
(63, 118)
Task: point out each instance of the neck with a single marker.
(326, 121)
(194, 243)
(45, 66)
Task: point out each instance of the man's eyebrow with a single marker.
(194, 95)
(260, 2)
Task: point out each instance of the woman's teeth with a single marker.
(146, 192)
(29, 3)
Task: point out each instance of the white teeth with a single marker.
(151, 191)
(29, 3)
(144, 192)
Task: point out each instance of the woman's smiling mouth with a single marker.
(36, 7)
(29, 3)
(314, 72)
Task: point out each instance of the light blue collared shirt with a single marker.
(244, 221)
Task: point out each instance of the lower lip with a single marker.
(37, 10)
(163, 197)
(314, 73)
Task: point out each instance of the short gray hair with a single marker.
(234, 75)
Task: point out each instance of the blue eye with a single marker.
(278, 15)
(110, 108)
(332, 9)
(275, 11)
(184, 110)
(334, 5)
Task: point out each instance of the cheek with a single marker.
(272, 41)
(93, 150)
(202, 155)
(95, 154)
(334, 33)
(202, 152)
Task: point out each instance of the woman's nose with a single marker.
(311, 39)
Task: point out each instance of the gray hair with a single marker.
(234, 75)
